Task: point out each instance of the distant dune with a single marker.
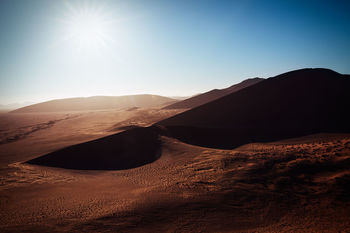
(12, 106)
(292, 104)
(97, 103)
(209, 96)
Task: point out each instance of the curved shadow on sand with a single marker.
(230, 138)
(125, 150)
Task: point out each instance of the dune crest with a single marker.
(209, 96)
(97, 103)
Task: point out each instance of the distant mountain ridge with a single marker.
(97, 103)
(214, 94)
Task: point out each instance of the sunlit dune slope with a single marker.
(96, 103)
(209, 96)
(292, 104)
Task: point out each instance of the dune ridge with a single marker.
(97, 103)
(209, 96)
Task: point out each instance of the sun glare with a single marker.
(87, 28)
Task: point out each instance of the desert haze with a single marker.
(273, 156)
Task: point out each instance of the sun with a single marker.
(87, 28)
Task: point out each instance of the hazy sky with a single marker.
(55, 49)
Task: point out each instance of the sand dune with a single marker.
(29, 135)
(293, 104)
(128, 149)
(209, 96)
(97, 103)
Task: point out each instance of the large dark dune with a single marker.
(209, 96)
(292, 104)
(97, 103)
(129, 149)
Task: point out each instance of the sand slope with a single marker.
(128, 149)
(29, 135)
(209, 96)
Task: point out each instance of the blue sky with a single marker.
(172, 48)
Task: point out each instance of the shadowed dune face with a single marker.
(293, 104)
(209, 96)
(129, 149)
(228, 138)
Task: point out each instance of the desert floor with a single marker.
(294, 185)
